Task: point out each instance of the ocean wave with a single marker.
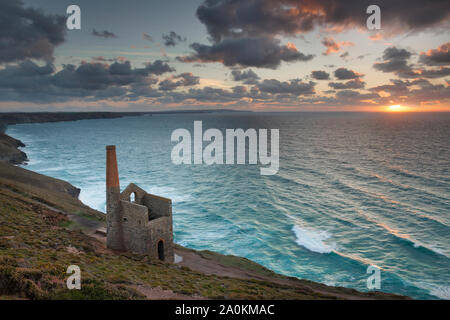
(442, 292)
(94, 196)
(403, 236)
(313, 240)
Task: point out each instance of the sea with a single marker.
(353, 190)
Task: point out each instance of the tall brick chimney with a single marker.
(114, 237)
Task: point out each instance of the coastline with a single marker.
(9, 146)
(204, 262)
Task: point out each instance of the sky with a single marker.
(259, 55)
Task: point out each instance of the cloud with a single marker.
(256, 18)
(436, 57)
(352, 96)
(352, 84)
(172, 39)
(376, 37)
(248, 77)
(295, 87)
(104, 34)
(416, 92)
(97, 82)
(346, 74)
(333, 46)
(29, 81)
(360, 57)
(395, 60)
(246, 52)
(146, 36)
(320, 75)
(182, 80)
(345, 55)
(432, 73)
(27, 33)
(158, 67)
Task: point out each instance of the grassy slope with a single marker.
(38, 242)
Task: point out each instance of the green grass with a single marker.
(34, 256)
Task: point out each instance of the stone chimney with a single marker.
(114, 235)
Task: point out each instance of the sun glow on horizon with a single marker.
(395, 108)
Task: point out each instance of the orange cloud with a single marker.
(333, 46)
(376, 37)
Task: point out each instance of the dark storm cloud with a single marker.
(172, 39)
(255, 18)
(28, 33)
(246, 52)
(247, 77)
(320, 75)
(104, 34)
(437, 57)
(352, 84)
(182, 80)
(346, 74)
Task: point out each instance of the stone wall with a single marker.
(135, 227)
(145, 223)
(161, 230)
(158, 206)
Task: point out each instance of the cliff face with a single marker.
(29, 179)
(9, 150)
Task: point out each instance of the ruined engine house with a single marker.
(136, 220)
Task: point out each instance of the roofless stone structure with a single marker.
(136, 220)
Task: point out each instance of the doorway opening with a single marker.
(161, 250)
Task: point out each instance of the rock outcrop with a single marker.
(9, 150)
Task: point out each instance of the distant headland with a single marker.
(9, 147)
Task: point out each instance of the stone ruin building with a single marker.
(136, 220)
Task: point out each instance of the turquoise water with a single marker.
(353, 190)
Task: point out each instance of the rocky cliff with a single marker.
(9, 150)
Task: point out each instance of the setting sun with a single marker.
(395, 108)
